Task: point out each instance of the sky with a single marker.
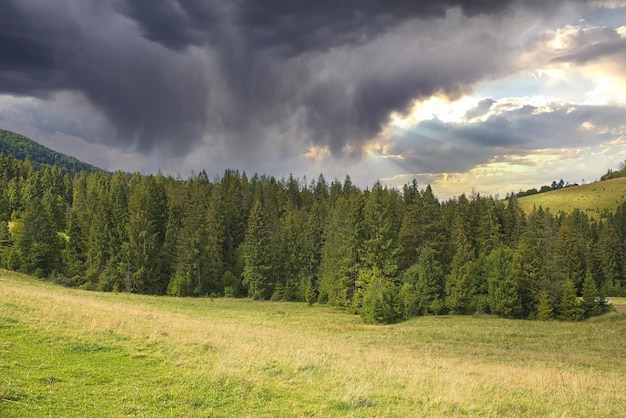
(466, 95)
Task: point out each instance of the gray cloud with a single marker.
(595, 52)
(434, 146)
(169, 74)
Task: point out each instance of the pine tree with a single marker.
(97, 224)
(611, 258)
(590, 297)
(379, 248)
(190, 276)
(258, 271)
(215, 244)
(147, 207)
(513, 221)
(459, 285)
(340, 262)
(410, 236)
(503, 294)
(38, 243)
(289, 254)
(311, 253)
(429, 287)
(75, 256)
(571, 308)
(5, 243)
(530, 262)
(117, 203)
(570, 255)
(544, 310)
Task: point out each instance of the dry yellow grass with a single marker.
(277, 359)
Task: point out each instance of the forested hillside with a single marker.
(383, 253)
(21, 148)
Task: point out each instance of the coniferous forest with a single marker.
(385, 254)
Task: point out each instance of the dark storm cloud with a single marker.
(167, 73)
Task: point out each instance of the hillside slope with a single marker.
(21, 147)
(593, 199)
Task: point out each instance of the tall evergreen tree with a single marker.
(191, 265)
(544, 310)
(147, 206)
(570, 256)
(379, 248)
(430, 284)
(311, 252)
(5, 243)
(258, 272)
(503, 293)
(340, 258)
(75, 254)
(530, 262)
(570, 309)
(38, 244)
(590, 297)
(459, 286)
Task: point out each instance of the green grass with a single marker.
(594, 198)
(66, 352)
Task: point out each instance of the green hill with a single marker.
(594, 198)
(22, 147)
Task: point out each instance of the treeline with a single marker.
(620, 172)
(385, 254)
(544, 189)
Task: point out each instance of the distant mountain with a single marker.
(596, 199)
(21, 147)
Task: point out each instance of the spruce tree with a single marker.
(75, 256)
(429, 287)
(5, 243)
(529, 262)
(379, 247)
(503, 294)
(570, 309)
(459, 286)
(544, 310)
(611, 252)
(570, 255)
(147, 207)
(190, 276)
(311, 253)
(257, 252)
(590, 297)
(38, 243)
(214, 244)
(340, 262)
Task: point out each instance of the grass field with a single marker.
(593, 198)
(67, 353)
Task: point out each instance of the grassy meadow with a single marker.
(593, 199)
(66, 352)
